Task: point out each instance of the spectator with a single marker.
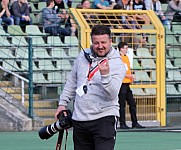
(59, 7)
(102, 4)
(5, 15)
(125, 93)
(139, 5)
(20, 12)
(86, 4)
(173, 7)
(156, 6)
(52, 22)
(128, 22)
(70, 25)
(94, 85)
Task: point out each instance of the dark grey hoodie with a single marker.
(101, 98)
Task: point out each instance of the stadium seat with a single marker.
(34, 9)
(19, 41)
(41, 5)
(58, 52)
(150, 91)
(171, 40)
(173, 75)
(71, 40)
(15, 30)
(46, 65)
(153, 75)
(174, 52)
(148, 64)
(73, 51)
(64, 64)
(138, 91)
(177, 62)
(4, 42)
(136, 65)
(171, 90)
(11, 65)
(34, 18)
(169, 65)
(39, 52)
(142, 76)
(176, 28)
(6, 53)
(2, 32)
(56, 77)
(55, 41)
(34, 30)
(40, 78)
(144, 53)
(21, 52)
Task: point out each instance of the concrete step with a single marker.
(45, 112)
(6, 83)
(35, 96)
(49, 121)
(12, 90)
(43, 104)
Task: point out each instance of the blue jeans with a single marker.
(57, 30)
(19, 21)
(8, 21)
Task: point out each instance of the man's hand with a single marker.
(104, 67)
(59, 109)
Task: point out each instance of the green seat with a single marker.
(177, 62)
(6, 53)
(144, 53)
(136, 65)
(2, 32)
(174, 52)
(169, 65)
(4, 42)
(55, 41)
(171, 90)
(173, 75)
(39, 52)
(150, 91)
(71, 40)
(15, 30)
(19, 41)
(64, 64)
(138, 91)
(142, 76)
(58, 52)
(148, 64)
(34, 30)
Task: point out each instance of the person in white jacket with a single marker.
(93, 85)
(155, 5)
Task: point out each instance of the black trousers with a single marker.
(125, 94)
(99, 134)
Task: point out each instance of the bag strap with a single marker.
(59, 140)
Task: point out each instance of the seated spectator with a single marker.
(102, 4)
(139, 5)
(59, 7)
(20, 12)
(156, 6)
(173, 7)
(127, 22)
(85, 4)
(52, 22)
(5, 15)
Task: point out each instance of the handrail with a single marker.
(22, 82)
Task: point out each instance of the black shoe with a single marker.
(124, 126)
(137, 125)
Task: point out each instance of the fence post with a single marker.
(30, 76)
